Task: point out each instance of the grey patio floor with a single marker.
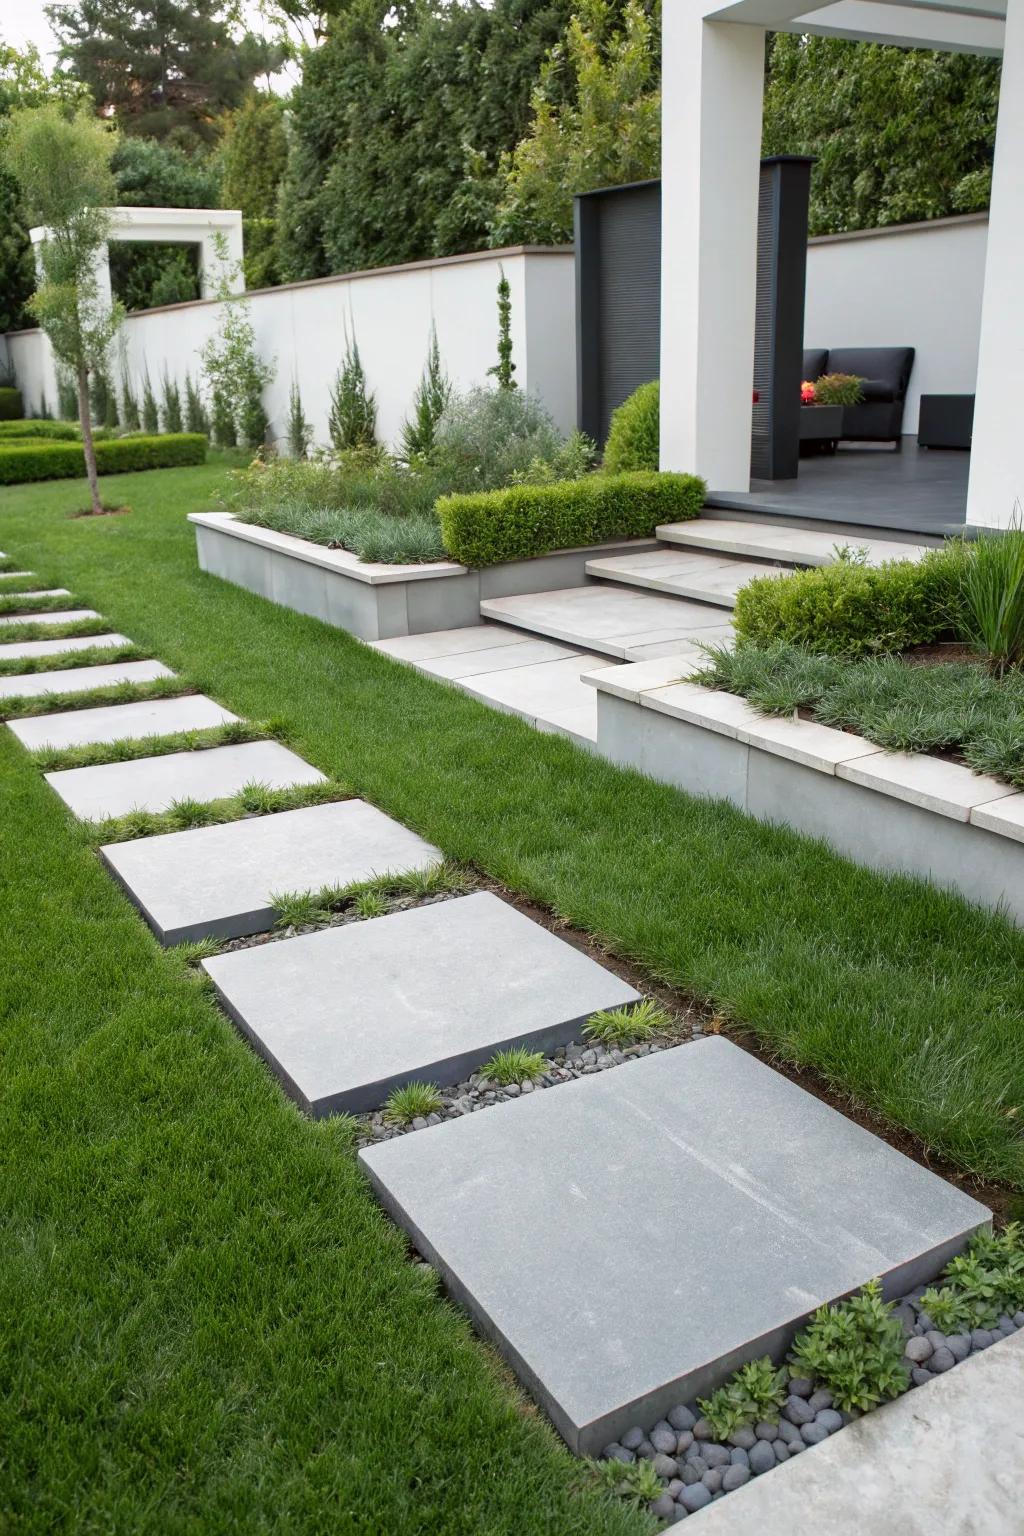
(918, 490)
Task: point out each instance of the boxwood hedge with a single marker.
(855, 610)
(43, 460)
(487, 527)
(63, 431)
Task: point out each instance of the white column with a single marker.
(712, 89)
(997, 458)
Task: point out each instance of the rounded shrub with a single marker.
(633, 436)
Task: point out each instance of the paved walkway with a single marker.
(625, 1239)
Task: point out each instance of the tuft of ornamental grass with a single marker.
(252, 800)
(127, 692)
(515, 1065)
(304, 909)
(993, 588)
(91, 754)
(414, 1101)
(625, 1026)
(374, 535)
(67, 661)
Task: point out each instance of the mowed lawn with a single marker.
(207, 1324)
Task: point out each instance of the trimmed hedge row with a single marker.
(65, 461)
(61, 431)
(855, 610)
(11, 403)
(488, 527)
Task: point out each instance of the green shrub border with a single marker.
(20, 462)
(855, 610)
(33, 427)
(523, 521)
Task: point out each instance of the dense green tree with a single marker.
(899, 134)
(253, 156)
(162, 68)
(398, 126)
(150, 173)
(23, 83)
(596, 121)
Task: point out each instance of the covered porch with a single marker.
(713, 82)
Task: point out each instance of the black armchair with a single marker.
(886, 375)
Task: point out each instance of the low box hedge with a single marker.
(44, 460)
(11, 403)
(61, 431)
(856, 610)
(489, 527)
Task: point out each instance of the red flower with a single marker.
(808, 394)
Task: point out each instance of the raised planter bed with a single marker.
(893, 811)
(377, 602)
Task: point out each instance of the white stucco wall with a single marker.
(917, 285)
(301, 327)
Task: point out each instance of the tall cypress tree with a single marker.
(161, 68)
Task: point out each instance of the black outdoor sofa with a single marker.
(886, 374)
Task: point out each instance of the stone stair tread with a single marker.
(346, 1015)
(795, 546)
(629, 1238)
(121, 722)
(156, 783)
(30, 685)
(603, 618)
(20, 650)
(543, 692)
(216, 882)
(701, 577)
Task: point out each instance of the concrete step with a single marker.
(120, 722)
(218, 882)
(611, 621)
(792, 546)
(629, 1238)
(703, 576)
(346, 1015)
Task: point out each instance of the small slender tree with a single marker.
(197, 417)
(504, 368)
(300, 433)
(172, 403)
(150, 409)
(129, 404)
(432, 395)
(61, 161)
(353, 415)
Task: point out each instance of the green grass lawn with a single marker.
(208, 1326)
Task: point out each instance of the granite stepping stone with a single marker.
(20, 650)
(155, 783)
(121, 722)
(348, 1014)
(66, 616)
(217, 881)
(631, 1237)
(16, 575)
(37, 597)
(32, 685)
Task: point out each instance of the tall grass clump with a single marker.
(993, 590)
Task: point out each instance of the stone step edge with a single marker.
(728, 714)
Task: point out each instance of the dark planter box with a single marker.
(821, 427)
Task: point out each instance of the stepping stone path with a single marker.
(627, 1238)
(60, 616)
(350, 1013)
(216, 882)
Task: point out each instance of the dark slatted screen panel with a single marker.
(764, 328)
(629, 289)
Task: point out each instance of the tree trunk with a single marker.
(88, 446)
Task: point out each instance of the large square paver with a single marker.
(155, 783)
(121, 722)
(66, 616)
(31, 685)
(348, 1014)
(218, 881)
(18, 650)
(630, 1238)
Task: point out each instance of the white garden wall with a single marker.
(302, 328)
(913, 285)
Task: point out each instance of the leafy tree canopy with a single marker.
(253, 155)
(899, 134)
(162, 68)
